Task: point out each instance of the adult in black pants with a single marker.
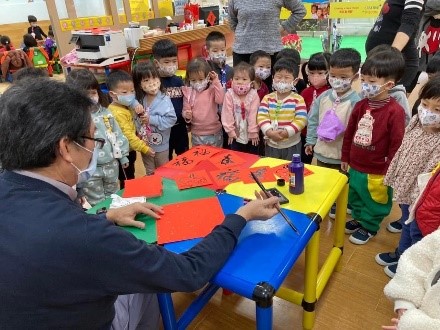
(397, 26)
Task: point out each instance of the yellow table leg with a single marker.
(310, 281)
(340, 219)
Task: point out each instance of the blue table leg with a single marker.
(264, 317)
(263, 297)
(196, 306)
(167, 311)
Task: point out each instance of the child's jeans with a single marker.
(410, 235)
(248, 148)
(285, 153)
(405, 213)
(215, 140)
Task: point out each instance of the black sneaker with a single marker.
(387, 258)
(351, 226)
(361, 236)
(394, 227)
(390, 270)
(332, 214)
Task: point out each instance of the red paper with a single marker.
(226, 176)
(211, 18)
(193, 179)
(282, 171)
(189, 159)
(188, 220)
(263, 173)
(226, 160)
(147, 186)
(182, 162)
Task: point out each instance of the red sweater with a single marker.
(427, 209)
(388, 130)
(307, 95)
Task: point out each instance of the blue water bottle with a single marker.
(296, 181)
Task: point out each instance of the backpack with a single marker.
(40, 59)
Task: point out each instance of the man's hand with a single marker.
(309, 150)
(262, 208)
(124, 216)
(344, 166)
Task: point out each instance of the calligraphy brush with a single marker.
(277, 207)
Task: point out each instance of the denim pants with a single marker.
(411, 233)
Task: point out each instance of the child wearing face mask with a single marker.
(34, 29)
(373, 136)
(165, 59)
(262, 63)
(122, 92)
(418, 154)
(114, 151)
(314, 73)
(282, 114)
(159, 115)
(201, 97)
(330, 112)
(240, 107)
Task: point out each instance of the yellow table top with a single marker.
(320, 188)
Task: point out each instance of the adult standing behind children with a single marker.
(122, 92)
(282, 114)
(113, 149)
(36, 31)
(256, 25)
(373, 136)
(63, 268)
(165, 59)
(397, 26)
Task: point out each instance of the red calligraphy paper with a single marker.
(282, 171)
(191, 158)
(147, 186)
(226, 160)
(193, 179)
(226, 176)
(263, 173)
(211, 18)
(189, 220)
(182, 162)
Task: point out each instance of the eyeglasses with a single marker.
(99, 143)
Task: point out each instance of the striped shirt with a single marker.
(289, 114)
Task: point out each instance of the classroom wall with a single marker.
(15, 31)
(17, 11)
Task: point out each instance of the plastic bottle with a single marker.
(296, 169)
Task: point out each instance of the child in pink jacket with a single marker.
(200, 100)
(239, 113)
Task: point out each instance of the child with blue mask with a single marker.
(122, 92)
(100, 179)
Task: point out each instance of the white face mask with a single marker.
(219, 58)
(167, 70)
(151, 87)
(282, 87)
(262, 73)
(370, 90)
(340, 85)
(428, 118)
(95, 99)
(86, 174)
(199, 86)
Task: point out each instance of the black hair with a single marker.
(318, 62)
(50, 33)
(346, 58)
(29, 40)
(288, 65)
(387, 62)
(32, 124)
(196, 65)
(432, 89)
(141, 71)
(116, 77)
(257, 55)
(245, 67)
(289, 53)
(164, 48)
(29, 73)
(5, 41)
(214, 36)
(32, 19)
(433, 65)
(84, 80)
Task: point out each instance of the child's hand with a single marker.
(150, 152)
(145, 119)
(255, 141)
(309, 150)
(274, 135)
(125, 165)
(283, 133)
(139, 109)
(187, 115)
(230, 140)
(394, 321)
(212, 76)
(344, 166)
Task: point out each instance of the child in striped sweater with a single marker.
(282, 114)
